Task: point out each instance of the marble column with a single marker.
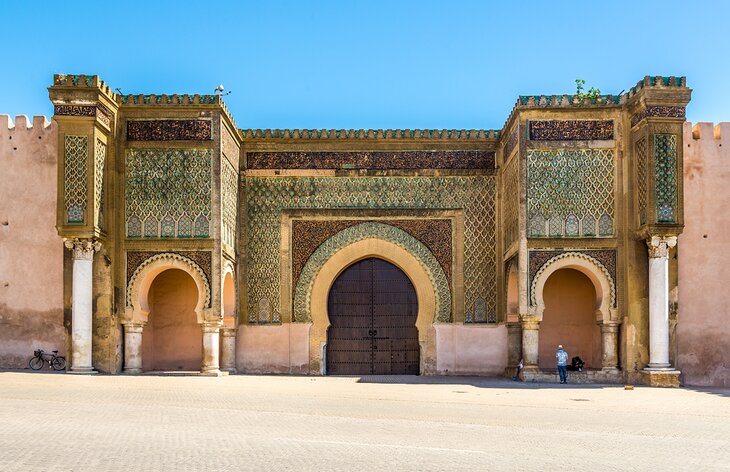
(530, 339)
(82, 303)
(211, 349)
(609, 351)
(659, 301)
(133, 348)
(228, 349)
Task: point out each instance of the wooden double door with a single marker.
(372, 308)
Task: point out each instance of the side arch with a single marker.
(138, 307)
(597, 273)
(377, 231)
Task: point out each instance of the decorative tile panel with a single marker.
(537, 259)
(164, 184)
(202, 258)
(99, 161)
(511, 202)
(308, 235)
(74, 110)
(75, 178)
(169, 130)
(641, 179)
(372, 160)
(658, 111)
(229, 147)
(267, 196)
(302, 296)
(229, 197)
(665, 175)
(565, 185)
(570, 130)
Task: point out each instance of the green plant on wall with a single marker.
(592, 94)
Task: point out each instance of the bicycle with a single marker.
(40, 357)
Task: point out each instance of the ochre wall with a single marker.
(31, 252)
(569, 319)
(470, 349)
(172, 338)
(703, 320)
(273, 349)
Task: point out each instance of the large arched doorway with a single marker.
(569, 319)
(372, 308)
(172, 337)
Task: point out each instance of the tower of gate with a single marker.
(586, 182)
(140, 176)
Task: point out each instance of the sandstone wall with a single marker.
(31, 252)
(703, 326)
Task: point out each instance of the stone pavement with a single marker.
(119, 423)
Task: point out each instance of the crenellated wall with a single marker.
(31, 252)
(703, 321)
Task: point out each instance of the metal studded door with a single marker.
(372, 308)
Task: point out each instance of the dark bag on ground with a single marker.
(576, 364)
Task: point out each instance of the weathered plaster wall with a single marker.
(273, 349)
(471, 349)
(703, 327)
(31, 252)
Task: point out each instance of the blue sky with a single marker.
(366, 64)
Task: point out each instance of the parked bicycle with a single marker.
(40, 357)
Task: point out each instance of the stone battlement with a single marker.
(27, 138)
(710, 131)
(83, 81)
(398, 134)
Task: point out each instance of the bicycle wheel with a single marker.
(36, 363)
(58, 363)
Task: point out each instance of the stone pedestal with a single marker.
(228, 350)
(211, 350)
(609, 349)
(82, 303)
(660, 378)
(133, 348)
(530, 338)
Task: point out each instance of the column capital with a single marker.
(83, 249)
(659, 246)
(529, 321)
(609, 326)
(209, 327)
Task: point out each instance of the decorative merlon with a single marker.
(397, 134)
(659, 246)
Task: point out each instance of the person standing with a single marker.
(562, 357)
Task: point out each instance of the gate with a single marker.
(372, 308)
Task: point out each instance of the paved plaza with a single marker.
(58, 422)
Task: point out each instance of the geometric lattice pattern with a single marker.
(510, 202)
(75, 178)
(168, 193)
(641, 184)
(665, 175)
(99, 158)
(268, 196)
(570, 193)
(229, 197)
(397, 236)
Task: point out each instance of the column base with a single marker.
(213, 373)
(132, 371)
(82, 371)
(660, 377)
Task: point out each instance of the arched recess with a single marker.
(138, 304)
(390, 244)
(605, 306)
(229, 296)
